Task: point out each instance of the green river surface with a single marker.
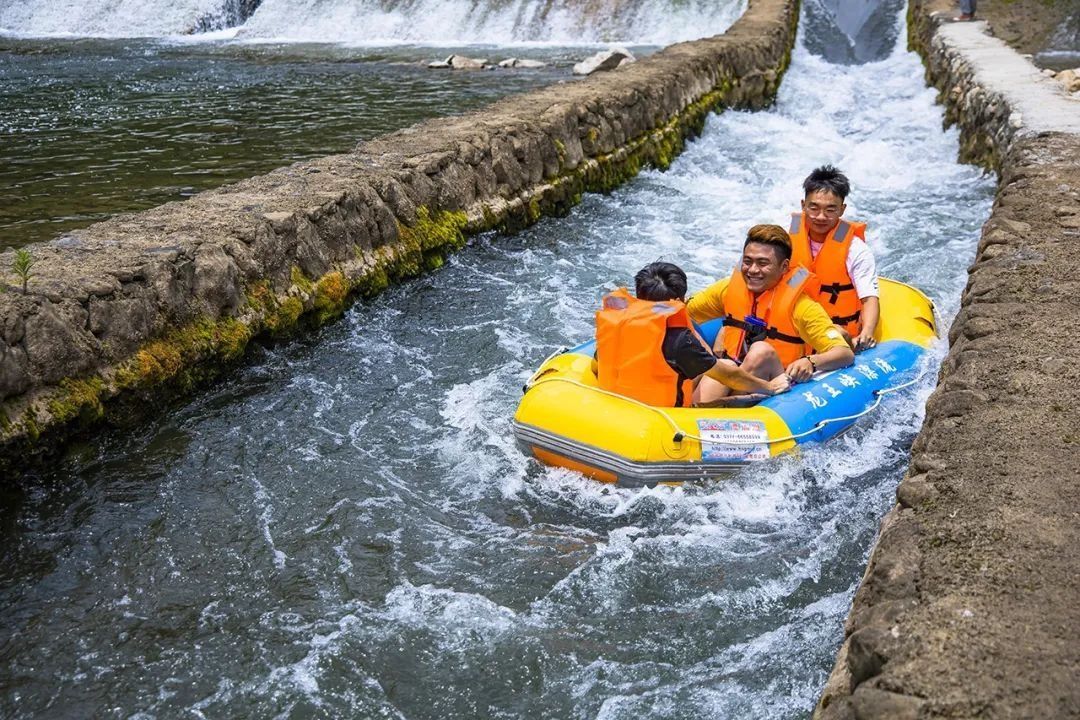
(90, 128)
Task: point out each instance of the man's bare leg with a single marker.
(761, 361)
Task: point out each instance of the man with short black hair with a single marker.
(769, 320)
(835, 250)
(647, 349)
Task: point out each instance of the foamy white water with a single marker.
(653, 22)
(376, 22)
(112, 18)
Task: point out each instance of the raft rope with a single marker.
(541, 369)
(680, 435)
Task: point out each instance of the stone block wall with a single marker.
(968, 606)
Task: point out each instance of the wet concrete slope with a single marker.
(968, 607)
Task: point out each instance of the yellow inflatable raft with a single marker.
(565, 420)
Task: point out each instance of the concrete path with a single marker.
(1039, 102)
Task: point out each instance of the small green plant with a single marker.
(22, 265)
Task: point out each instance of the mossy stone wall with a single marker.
(150, 305)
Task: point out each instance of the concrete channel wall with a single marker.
(969, 604)
(125, 314)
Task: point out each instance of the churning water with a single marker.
(654, 22)
(345, 529)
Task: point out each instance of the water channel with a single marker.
(344, 527)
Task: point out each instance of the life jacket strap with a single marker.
(835, 289)
(770, 332)
(732, 321)
(848, 319)
(774, 334)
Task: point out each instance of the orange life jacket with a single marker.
(776, 307)
(629, 349)
(833, 290)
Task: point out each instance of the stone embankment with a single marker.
(969, 604)
(124, 314)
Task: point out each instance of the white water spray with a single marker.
(381, 22)
(116, 18)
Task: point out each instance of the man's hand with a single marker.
(780, 383)
(801, 369)
(865, 340)
(871, 312)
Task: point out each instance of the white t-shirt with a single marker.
(861, 266)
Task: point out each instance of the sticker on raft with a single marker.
(717, 437)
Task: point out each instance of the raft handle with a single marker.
(542, 370)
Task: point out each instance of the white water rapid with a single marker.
(116, 18)
(380, 22)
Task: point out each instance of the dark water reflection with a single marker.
(89, 128)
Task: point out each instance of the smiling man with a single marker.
(769, 320)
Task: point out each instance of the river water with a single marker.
(105, 107)
(91, 127)
(344, 528)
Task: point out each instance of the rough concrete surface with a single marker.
(970, 604)
(128, 311)
(1041, 103)
(1028, 26)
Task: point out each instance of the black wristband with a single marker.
(812, 363)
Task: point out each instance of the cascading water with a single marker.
(851, 31)
(345, 528)
(656, 22)
(121, 18)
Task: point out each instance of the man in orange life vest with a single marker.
(647, 349)
(769, 320)
(835, 250)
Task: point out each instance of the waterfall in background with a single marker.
(851, 31)
(654, 22)
(122, 18)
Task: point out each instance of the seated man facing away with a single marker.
(835, 250)
(768, 319)
(646, 347)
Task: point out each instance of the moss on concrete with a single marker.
(78, 399)
(440, 229)
(331, 292)
(657, 148)
(372, 283)
(183, 354)
(301, 281)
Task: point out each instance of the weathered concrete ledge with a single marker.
(969, 604)
(132, 310)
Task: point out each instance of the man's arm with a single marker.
(816, 328)
(862, 269)
(709, 303)
(871, 311)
